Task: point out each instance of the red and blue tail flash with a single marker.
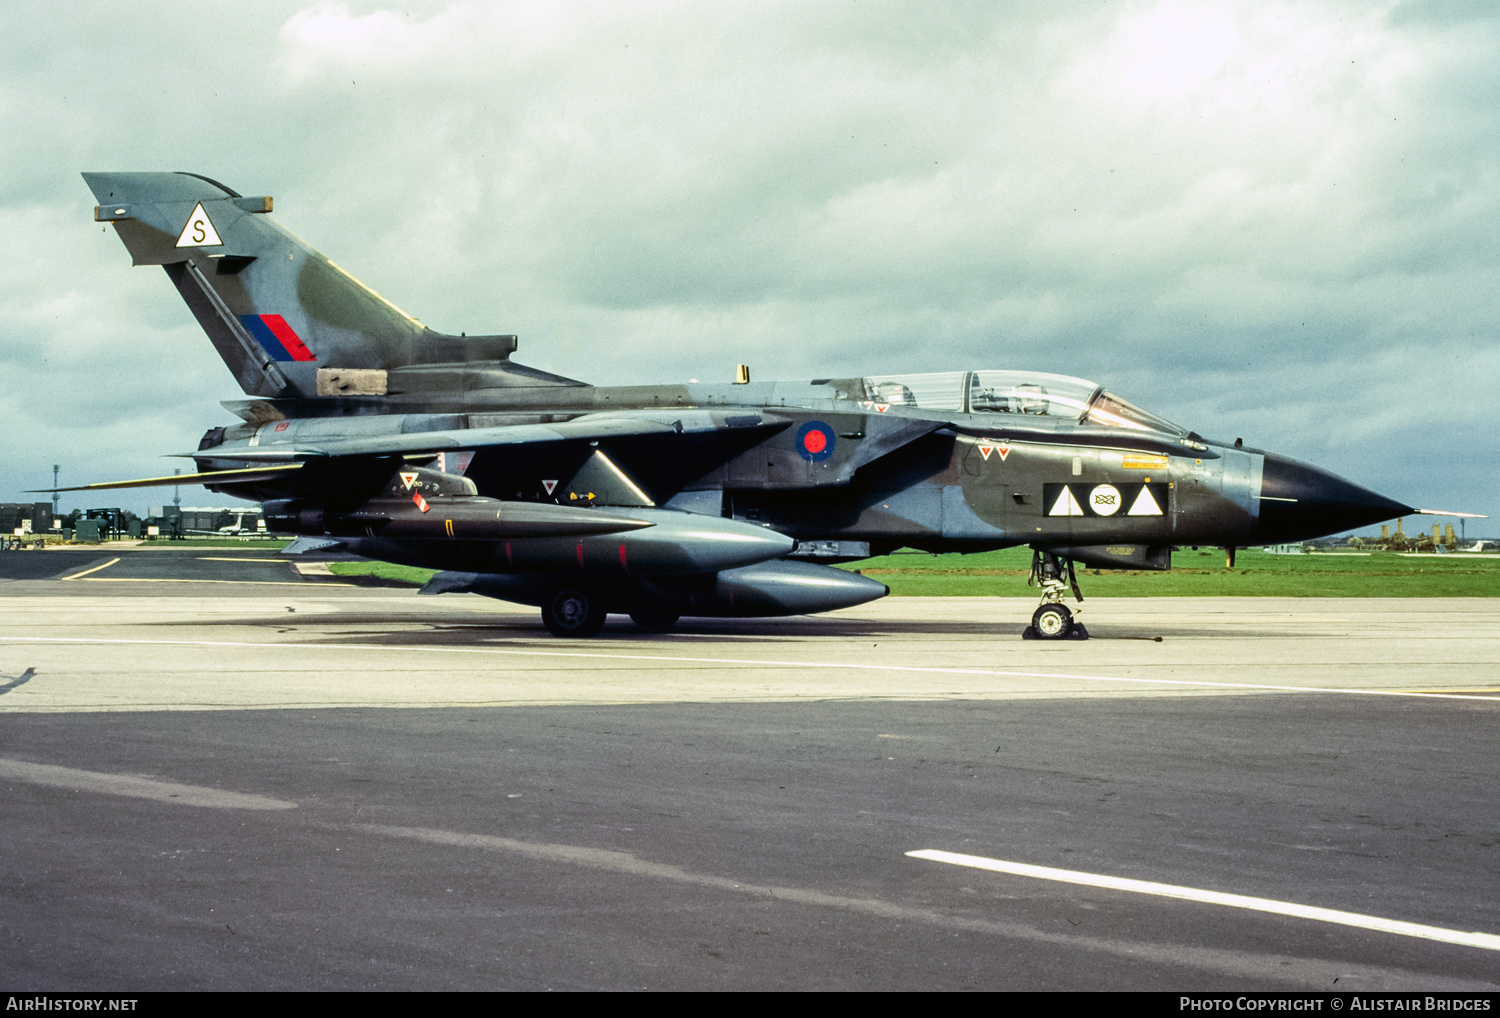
(277, 337)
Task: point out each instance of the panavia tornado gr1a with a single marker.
(366, 429)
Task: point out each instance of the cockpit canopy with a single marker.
(1034, 397)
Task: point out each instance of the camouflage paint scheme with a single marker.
(357, 414)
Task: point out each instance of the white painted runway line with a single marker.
(1485, 941)
(134, 787)
(345, 648)
(1284, 969)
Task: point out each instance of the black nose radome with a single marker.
(1299, 502)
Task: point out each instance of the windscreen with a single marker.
(1112, 411)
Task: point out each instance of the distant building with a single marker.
(28, 517)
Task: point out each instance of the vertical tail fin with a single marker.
(276, 310)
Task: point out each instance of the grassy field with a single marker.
(1194, 574)
(1202, 574)
(384, 571)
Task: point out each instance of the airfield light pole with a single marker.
(176, 491)
(56, 495)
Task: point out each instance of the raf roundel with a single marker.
(815, 441)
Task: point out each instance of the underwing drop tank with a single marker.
(765, 589)
(473, 533)
(790, 588)
(444, 517)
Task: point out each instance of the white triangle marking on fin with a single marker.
(199, 231)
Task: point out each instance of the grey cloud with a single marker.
(1296, 242)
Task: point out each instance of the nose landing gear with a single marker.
(1054, 620)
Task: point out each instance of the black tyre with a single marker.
(1052, 622)
(654, 620)
(572, 613)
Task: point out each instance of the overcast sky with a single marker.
(1277, 221)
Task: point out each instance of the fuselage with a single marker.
(363, 427)
(850, 467)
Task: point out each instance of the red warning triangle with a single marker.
(551, 486)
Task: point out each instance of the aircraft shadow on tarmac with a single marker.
(215, 564)
(520, 627)
(50, 565)
(118, 566)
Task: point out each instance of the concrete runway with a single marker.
(224, 775)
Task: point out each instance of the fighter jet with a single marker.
(364, 428)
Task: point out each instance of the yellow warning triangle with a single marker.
(1144, 504)
(199, 231)
(1066, 504)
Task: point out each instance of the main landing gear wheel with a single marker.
(654, 620)
(572, 613)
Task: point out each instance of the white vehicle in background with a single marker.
(244, 525)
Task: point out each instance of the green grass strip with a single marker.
(1201, 574)
(1194, 574)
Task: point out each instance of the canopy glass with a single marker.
(1035, 396)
